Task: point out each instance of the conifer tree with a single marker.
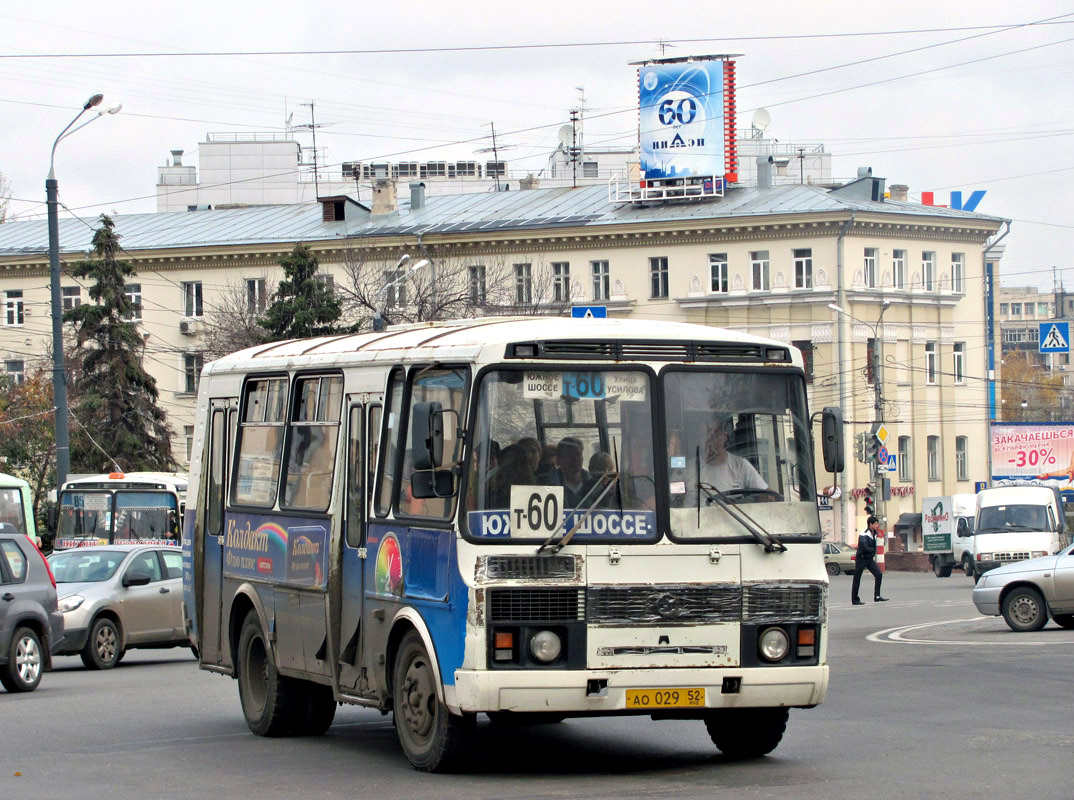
(113, 398)
(302, 305)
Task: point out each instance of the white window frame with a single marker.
(193, 299)
(561, 281)
(394, 288)
(761, 270)
(256, 295)
(133, 293)
(14, 308)
(192, 366)
(478, 284)
(932, 447)
(958, 273)
(958, 362)
(906, 459)
(71, 297)
(962, 445)
(658, 278)
(523, 284)
(932, 352)
(602, 279)
(188, 437)
(928, 270)
(898, 269)
(803, 268)
(869, 265)
(719, 280)
(16, 369)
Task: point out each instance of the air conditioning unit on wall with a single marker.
(190, 327)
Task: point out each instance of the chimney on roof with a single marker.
(417, 195)
(898, 192)
(531, 181)
(384, 198)
(177, 158)
(764, 172)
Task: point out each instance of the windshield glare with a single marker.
(562, 450)
(1000, 519)
(139, 516)
(76, 566)
(739, 438)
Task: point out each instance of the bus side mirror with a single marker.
(427, 425)
(831, 438)
(51, 518)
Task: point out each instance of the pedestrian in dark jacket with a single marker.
(866, 560)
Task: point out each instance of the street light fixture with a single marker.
(59, 379)
(378, 319)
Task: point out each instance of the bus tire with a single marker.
(103, 648)
(742, 733)
(268, 699)
(433, 739)
(318, 708)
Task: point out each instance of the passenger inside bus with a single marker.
(570, 475)
(513, 470)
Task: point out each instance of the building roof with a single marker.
(448, 214)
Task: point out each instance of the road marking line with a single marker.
(898, 636)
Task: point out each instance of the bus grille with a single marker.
(663, 605)
(529, 567)
(536, 605)
(789, 601)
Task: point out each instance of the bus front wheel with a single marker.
(268, 699)
(742, 733)
(434, 739)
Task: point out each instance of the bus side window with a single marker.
(214, 512)
(355, 476)
(390, 443)
(311, 446)
(373, 444)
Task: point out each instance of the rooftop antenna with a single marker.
(495, 150)
(313, 126)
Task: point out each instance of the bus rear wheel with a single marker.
(743, 733)
(269, 700)
(433, 739)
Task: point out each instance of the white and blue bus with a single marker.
(530, 518)
(119, 508)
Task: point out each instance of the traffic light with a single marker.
(869, 501)
(872, 444)
(859, 446)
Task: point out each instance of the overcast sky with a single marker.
(983, 107)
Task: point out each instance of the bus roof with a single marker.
(490, 339)
(11, 482)
(173, 480)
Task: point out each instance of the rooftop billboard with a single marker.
(682, 119)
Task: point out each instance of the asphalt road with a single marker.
(926, 699)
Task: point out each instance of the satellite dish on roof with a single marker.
(761, 119)
(566, 135)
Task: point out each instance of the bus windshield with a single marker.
(738, 449)
(12, 519)
(560, 452)
(137, 516)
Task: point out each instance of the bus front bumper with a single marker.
(605, 691)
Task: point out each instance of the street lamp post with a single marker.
(59, 379)
(378, 320)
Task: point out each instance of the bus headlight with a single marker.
(773, 644)
(545, 646)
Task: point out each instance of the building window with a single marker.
(962, 444)
(806, 347)
(870, 267)
(72, 297)
(958, 272)
(15, 309)
(256, 295)
(905, 473)
(478, 285)
(326, 280)
(928, 270)
(1004, 309)
(931, 352)
(16, 370)
(898, 269)
(192, 304)
(759, 266)
(658, 278)
(1016, 309)
(394, 289)
(192, 364)
(718, 272)
(959, 362)
(803, 269)
(523, 284)
(188, 437)
(561, 281)
(933, 447)
(601, 280)
(133, 294)
(1043, 310)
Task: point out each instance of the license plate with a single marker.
(665, 698)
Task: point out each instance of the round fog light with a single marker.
(774, 644)
(545, 646)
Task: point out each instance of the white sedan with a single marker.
(1027, 592)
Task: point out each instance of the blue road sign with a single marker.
(589, 312)
(892, 464)
(1055, 337)
(980, 486)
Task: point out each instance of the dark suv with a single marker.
(30, 626)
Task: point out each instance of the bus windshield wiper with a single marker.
(714, 495)
(552, 545)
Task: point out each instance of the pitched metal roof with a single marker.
(585, 206)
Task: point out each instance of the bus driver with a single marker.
(722, 469)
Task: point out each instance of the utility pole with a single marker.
(801, 165)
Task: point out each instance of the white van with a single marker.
(1015, 523)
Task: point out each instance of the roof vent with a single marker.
(417, 195)
(764, 172)
(177, 158)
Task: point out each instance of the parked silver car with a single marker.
(1027, 592)
(117, 597)
(30, 625)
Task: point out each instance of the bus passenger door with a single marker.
(210, 566)
(347, 594)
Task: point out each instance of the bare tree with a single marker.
(5, 196)
(231, 322)
(446, 288)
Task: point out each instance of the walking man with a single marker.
(866, 560)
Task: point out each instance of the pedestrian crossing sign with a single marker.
(1055, 337)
